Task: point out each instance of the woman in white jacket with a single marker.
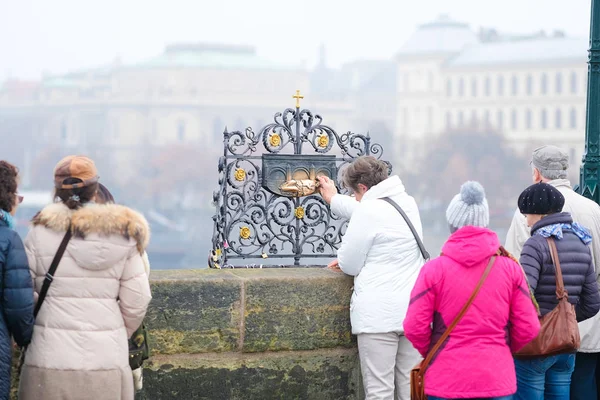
(381, 252)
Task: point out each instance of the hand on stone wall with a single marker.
(334, 266)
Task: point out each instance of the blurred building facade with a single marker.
(532, 88)
(446, 76)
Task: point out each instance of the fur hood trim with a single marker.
(102, 219)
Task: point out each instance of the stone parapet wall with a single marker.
(251, 334)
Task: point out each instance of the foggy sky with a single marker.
(58, 36)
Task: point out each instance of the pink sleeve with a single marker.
(417, 324)
(524, 321)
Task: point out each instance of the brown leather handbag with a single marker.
(417, 375)
(559, 332)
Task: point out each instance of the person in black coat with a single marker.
(16, 316)
(542, 204)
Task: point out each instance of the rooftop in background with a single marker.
(537, 50)
(217, 56)
(18, 88)
(441, 36)
(465, 48)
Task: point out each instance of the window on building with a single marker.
(474, 87)
(461, 119)
(573, 118)
(500, 86)
(181, 130)
(544, 84)
(529, 85)
(558, 119)
(486, 118)
(63, 131)
(573, 82)
(473, 118)
(406, 82)
(430, 119)
(405, 119)
(154, 130)
(544, 119)
(528, 118)
(449, 87)
(488, 86)
(515, 85)
(430, 81)
(500, 120)
(448, 120)
(558, 83)
(461, 87)
(513, 119)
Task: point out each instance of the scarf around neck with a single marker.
(8, 219)
(556, 230)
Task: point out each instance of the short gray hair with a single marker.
(552, 174)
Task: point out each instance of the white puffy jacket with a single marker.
(380, 251)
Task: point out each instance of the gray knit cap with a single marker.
(469, 207)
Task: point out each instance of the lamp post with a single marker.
(590, 168)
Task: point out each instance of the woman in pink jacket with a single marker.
(475, 362)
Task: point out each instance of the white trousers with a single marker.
(386, 360)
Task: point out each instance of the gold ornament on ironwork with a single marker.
(245, 232)
(297, 96)
(240, 174)
(275, 140)
(299, 213)
(300, 187)
(323, 141)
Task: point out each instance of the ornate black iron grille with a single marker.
(256, 219)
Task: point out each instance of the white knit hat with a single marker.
(469, 207)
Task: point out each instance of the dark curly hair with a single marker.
(9, 180)
(76, 198)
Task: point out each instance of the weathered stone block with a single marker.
(323, 375)
(194, 312)
(295, 309)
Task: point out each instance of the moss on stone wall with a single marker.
(251, 334)
(325, 375)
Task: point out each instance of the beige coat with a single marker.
(98, 298)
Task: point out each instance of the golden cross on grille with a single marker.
(297, 96)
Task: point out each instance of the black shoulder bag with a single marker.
(47, 281)
(424, 252)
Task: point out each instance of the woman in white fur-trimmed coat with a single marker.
(98, 298)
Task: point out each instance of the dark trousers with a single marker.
(586, 377)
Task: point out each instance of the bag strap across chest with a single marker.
(457, 319)
(561, 292)
(424, 252)
(51, 271)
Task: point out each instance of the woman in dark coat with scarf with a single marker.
(16, 316)
(549, 377)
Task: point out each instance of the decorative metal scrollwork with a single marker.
(253, 219)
